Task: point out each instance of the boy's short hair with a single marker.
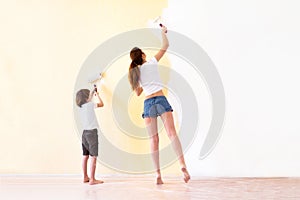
(82, 96)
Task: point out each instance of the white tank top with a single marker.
(149, 78)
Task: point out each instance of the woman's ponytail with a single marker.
(134, 75)
(134, 70)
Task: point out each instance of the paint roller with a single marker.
(158, 20)
(94, 80)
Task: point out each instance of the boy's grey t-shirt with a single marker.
(88, 116)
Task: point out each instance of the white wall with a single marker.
(255, 47)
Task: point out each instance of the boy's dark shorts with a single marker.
(90, 142)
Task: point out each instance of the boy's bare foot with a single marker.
(86, 179)
(94, 182)
(186, 175)
(159, 181)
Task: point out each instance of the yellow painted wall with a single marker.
(42, 46)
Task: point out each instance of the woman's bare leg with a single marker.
(168, 121)
(151, 125)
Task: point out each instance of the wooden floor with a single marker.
(143, 188)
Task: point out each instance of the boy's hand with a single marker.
(95, 88)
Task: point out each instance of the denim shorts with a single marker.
(156, 106)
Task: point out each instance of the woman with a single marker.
(144, 77)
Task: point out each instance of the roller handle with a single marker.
(162, 26)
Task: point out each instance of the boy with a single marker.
(90, 132)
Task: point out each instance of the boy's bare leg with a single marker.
(93, 180)
(86, 178)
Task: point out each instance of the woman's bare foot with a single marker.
(159, 181)
(86, 179)
(186, 175)
(94, 182)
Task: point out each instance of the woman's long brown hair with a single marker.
(134, 71)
